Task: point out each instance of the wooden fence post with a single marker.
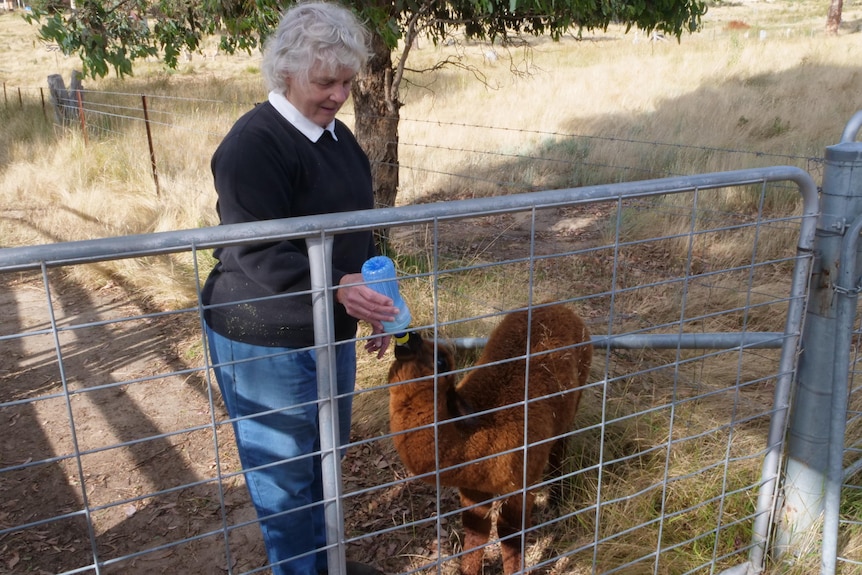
(64, 101)
(59, 97)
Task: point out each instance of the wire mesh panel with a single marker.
(118, 456)
(665, 455)
(109, 453)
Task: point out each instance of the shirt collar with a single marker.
(308, 128)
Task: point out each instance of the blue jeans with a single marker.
(283, 381)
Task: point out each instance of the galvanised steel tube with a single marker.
(847, 291)
(747, 340)
(89, 251)
(808, 444)
(320, 263)
(852, 128)
(771, 469)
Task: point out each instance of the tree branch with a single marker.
(410, 35)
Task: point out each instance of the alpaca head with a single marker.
(408, 346)
(418, 356)
(417, 363)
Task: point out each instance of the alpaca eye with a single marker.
(442, 364)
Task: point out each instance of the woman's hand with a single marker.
(378, 344)
(365, 304)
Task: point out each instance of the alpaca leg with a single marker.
(477, 529)
(513, 520)
(557, 458)
(556, 464)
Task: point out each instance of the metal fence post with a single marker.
(319, 259)
(847, 291)
(810, 423)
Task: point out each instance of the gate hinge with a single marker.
(830, 223)
(845, 291)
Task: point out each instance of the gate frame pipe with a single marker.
(91, 251)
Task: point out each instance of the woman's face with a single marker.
(322, 96)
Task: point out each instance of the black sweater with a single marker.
(266, 169)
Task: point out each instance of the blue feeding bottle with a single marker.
(379, 274)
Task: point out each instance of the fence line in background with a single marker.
(108, 111)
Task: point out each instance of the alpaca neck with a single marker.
(412, 404)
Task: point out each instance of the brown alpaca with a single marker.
(560, 356)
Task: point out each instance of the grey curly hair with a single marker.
(324, 34)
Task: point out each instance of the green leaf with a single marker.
(115, 34)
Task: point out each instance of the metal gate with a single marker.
(662, 392)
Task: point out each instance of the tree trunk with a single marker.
(376, 125)
(833, 17)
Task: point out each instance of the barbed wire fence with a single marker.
(104, 114)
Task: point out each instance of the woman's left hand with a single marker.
(379, 344)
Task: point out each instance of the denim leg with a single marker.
(279, 448)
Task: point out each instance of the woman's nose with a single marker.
(341, 93)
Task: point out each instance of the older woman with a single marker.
(290, 157)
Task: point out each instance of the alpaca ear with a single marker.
(415, 342)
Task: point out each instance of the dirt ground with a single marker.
(140, 411)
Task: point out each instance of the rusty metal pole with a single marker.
(150, 143)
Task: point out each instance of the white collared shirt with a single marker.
(308, 128)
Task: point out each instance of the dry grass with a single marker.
(716, 89)
(760, 78)
(763, 96)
